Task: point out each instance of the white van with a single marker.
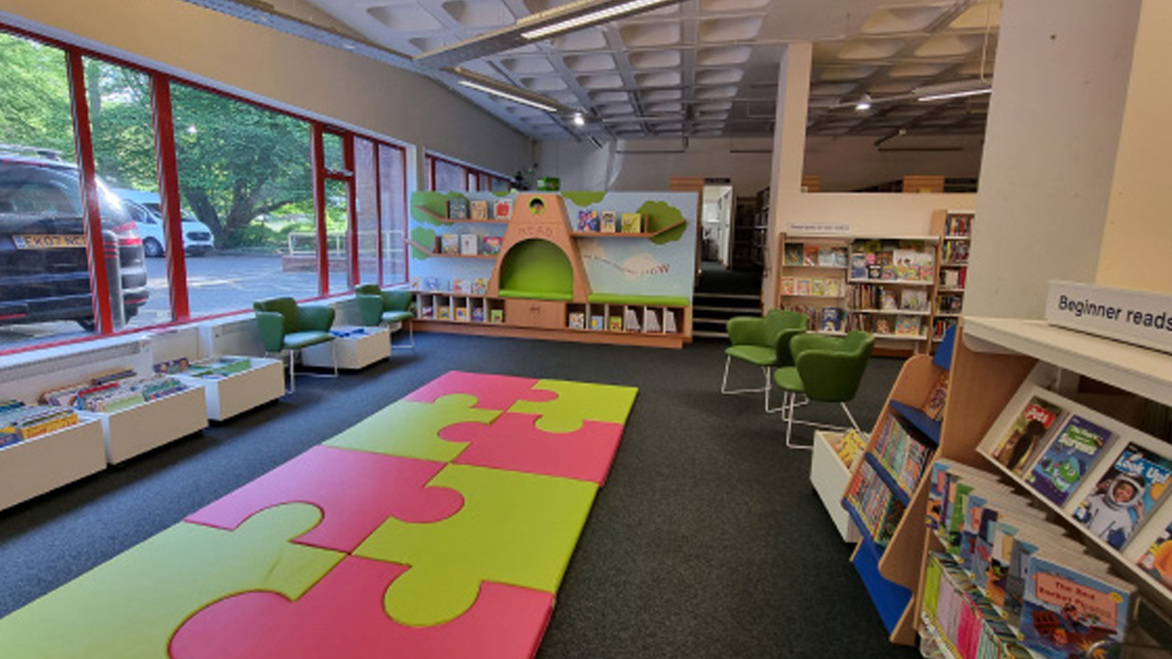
(147, 212)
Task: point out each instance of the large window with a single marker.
(449, 176)
(228, 205)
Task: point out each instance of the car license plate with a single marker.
(50, 241)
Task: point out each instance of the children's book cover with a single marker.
(907, 325)
(597, 322)
(496, 315)
(1066, 611)
(588, 221)
(478, 314)
(632, 222)
(480, 286)
(831, 319)
(817, 287)
(608, 222)
(788, 286)
(882, 325)
(933, 407)
(858, 265)
(502, 209)
(810, 255)
(803, 286)
(1157, 560)
(450, 243)
(793, 253)
(888, 301)
(615, 323)
(1070, 456)
(492, 244)
(444, 313)
(469, 243)
(833, 287)
(478, 209)
(458, 209)
(462, 314)
(1026, 434)
(577, 320)
(1125, 495)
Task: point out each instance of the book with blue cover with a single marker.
(1069, 608)
(1125, 495)
(1070, 456)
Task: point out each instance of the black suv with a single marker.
(44, 269)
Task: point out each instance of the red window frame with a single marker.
(474, 177)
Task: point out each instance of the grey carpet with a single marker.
(707, 541)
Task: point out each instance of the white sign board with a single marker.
(1136, 317)
(795, 227)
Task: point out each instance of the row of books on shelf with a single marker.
(801, 254)
(812, 286)
(467, 244)
(213, 368)
(958, 226)
(460, 208)
(1060, 600)
(20, 422)
(880, 324)
(591, 221)
(1059, 452)
(903, 455)
(883, 298)
(627, 322)
(849, 447)
(114, 391)
(437, 310)
(824, 319)
(959, 615)
(466, 286)
(953, 277)
(954, 251)
(874, 503)
(949, 303)
(903, 260)
(940, 326)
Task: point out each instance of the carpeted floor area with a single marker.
(707, 541)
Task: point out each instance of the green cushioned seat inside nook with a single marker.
(299, 340)
(650, 300)
(759, 355)
(536, 269)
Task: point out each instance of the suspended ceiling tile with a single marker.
(658, 79)
(609, 97)
(897, 20)
(479, 13)
(978, 68)
(714, 106)
(731, 5)
(723, 55)
(522, 65)
(600, 82)
(670, 10)
(707, 132)
(891, 87)
(425, 44)
(661, 108)
(709, 93)
(668, 127)
(950, 45)
(979, 17)
(921, 70)
(655, 59)
(832, 89)
(538, 6)
(544, 84)
(661, 95)
(824, 102)
(712, 116)
(719, 76)
(743, 28)
(613, 109)
(836, 73)
(591, 62)
(564, 97)
(871, 49)
(651, 35)
(588, 39)
(404, 17)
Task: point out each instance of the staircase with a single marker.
(711, 311)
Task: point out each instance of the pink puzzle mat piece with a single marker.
(356, 491)
(343, 615)
(492, 392)
(514, 443)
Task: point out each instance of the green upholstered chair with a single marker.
(825, 368)
(377, 306)
(763, 342)
(288, 327)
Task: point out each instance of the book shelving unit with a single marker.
(35, 466)
(135, 430)
(889, 566)
(806, 301)
(870, 280)
(237, 393)
(993, 359)
(954, 228)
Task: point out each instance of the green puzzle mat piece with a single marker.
(517, 529)
(578, 402)
(410, 430)
(130, 606)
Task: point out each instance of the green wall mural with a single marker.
(585, 198)
(423, 236)
(661, 214)
(436, 202)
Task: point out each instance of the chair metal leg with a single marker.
(789, 426)
(790, 420)
(410, 345)
(292, 377)
(333, 358)
(851, 417)
(724, 382)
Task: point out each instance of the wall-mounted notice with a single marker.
(807, 227)
(1137, 317)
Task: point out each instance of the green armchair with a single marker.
(377, 306)
(763, 342)
(827, 369)
(288, 327)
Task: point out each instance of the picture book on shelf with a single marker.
(1025, 437)
(933, 407)
(810, 255)
(458, 209)
(817, 287)
(480, 286)
(1157, 560)
(831, 319)
(888, 301)
(1067, 610)
(858, 265)
(1068, 458)
(882, 325)
(803, 286)
(577, 320)
(502, 209)
(632, 223)
(907, 325)
(615, 324)
(788, 286)
(492, 244)
(597, 322)
(462, 313)
(469, 243)
(478, 209)
(914, 300)
(588, 221)
(793, 253)
(1125, 495)
(608, 222)
(496, 315)
(450, 243)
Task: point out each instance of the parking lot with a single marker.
(216, 283)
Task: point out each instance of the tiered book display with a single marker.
(955, 231)
(1045, 516)
(813, 277)
(886, 489)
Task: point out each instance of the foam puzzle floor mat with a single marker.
(438, 527)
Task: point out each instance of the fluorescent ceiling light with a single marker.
(955, 89)
(579, 120)
(961, 94)
(591, 18)
(864, 103)
(503, 94)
